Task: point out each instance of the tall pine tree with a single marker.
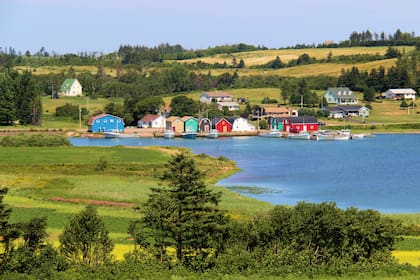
(182, 214)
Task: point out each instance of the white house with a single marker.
(71, 87)
(341, 96)
(400, 93)
(232, 106)
(208, 97)
(241, 124)
(152, 121)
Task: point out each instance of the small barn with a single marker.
(106, 123)
(190, 123)
(298, 124)
(400, 93)
(222, 124)
(204, 125)
(175, 124)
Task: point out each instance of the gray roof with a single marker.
(343, 108)
(341, 92)
(300, 119)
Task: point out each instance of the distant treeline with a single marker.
(143, 56)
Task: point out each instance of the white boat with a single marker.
(319, 136)
(271, 134)
(338, 137)
(119, 135)
(323, 135)
(213, 134)
(358, 136)
(168, 134)
(303, 135)
(346, 132)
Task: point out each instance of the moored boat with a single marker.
(303, 135)
(213, 134)
(189, 134)
(168, 134)
(271, 134)
(119, 135)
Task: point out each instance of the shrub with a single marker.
(36, 140)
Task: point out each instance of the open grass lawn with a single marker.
(59, 182)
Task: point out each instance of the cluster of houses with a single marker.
(110, 123)
(342, 103)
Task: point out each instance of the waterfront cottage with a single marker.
(222, 124)
(190, 123)
(340, 96)
(298, 124)
(152, 121)
(106, 123)
(242, 125)
(209, 97)
(70, 87)
(204, 125)
(175, 124)
(400, 93)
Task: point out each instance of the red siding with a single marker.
(298, 127)
(224, 126)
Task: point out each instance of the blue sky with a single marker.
(70, 26)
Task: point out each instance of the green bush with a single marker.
(36, 140)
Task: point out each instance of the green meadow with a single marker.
(57, 182)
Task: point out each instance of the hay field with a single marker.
(261, 57)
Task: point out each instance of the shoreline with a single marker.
(153, 132)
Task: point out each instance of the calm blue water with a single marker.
(382, 173)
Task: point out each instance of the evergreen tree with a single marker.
(369, 94)
(85, 240)
(182, 214)
(8, 232)
(7, 99)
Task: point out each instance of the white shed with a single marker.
(242, 125)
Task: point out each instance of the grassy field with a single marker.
(263, 56)
(42, 70)
(58, 182)
(49, 120)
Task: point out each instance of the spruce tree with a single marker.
(85, 240)
(183, 213)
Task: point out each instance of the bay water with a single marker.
(381, 173)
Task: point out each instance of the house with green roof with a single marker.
(71, 87)
(340, 96)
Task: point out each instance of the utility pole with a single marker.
(80, 117)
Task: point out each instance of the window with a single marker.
(105, 121)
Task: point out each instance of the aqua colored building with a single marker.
(190, 123)
(106, 123)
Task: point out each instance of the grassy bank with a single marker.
(57, 182)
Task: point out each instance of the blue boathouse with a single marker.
(106, 123)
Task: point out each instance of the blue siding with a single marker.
(107, 123)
